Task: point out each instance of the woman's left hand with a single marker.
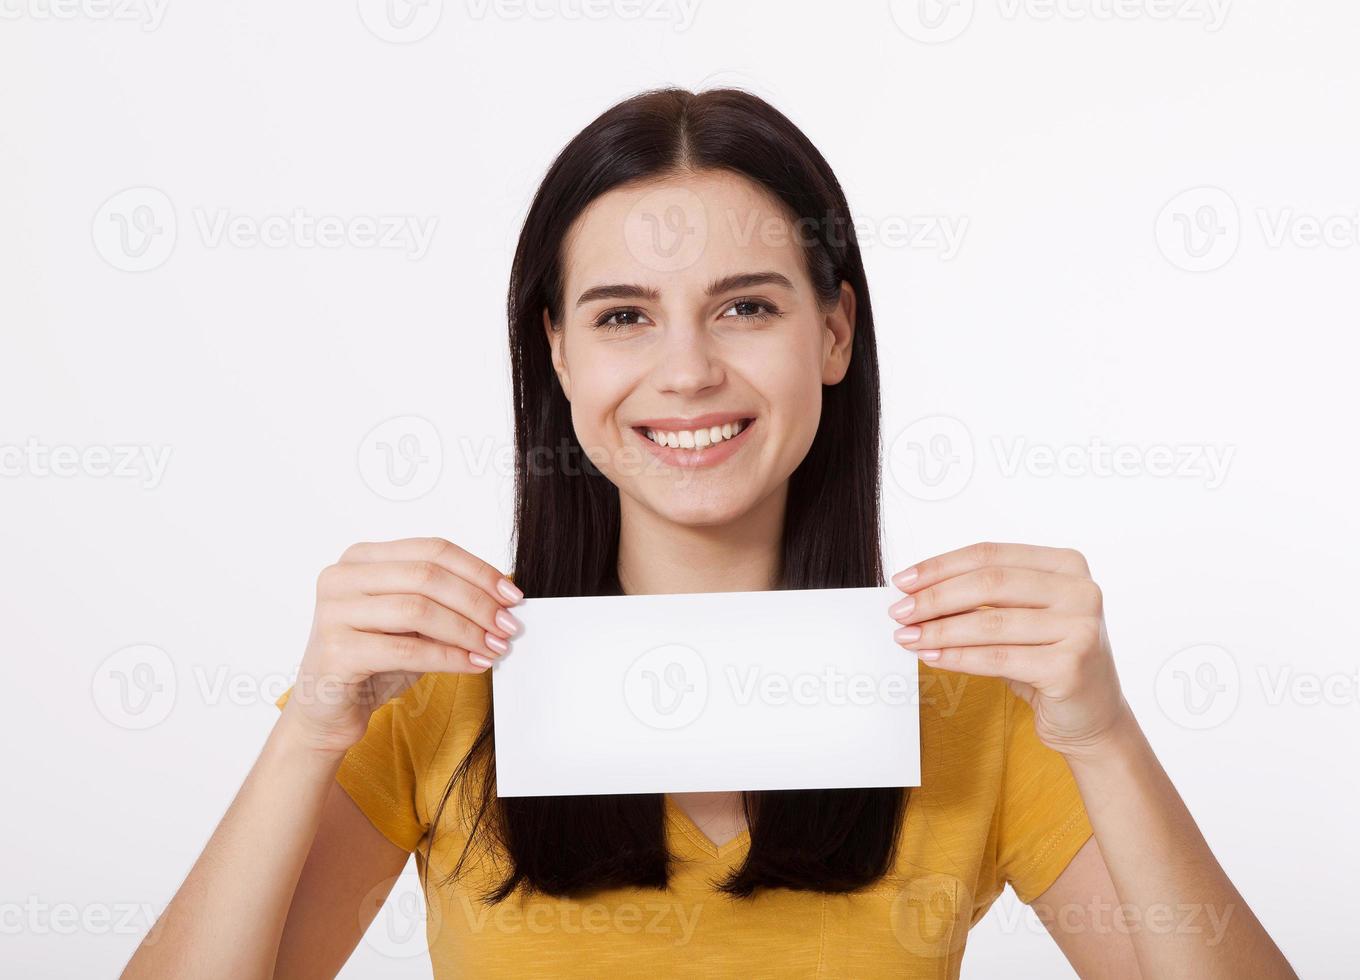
(1028, 614)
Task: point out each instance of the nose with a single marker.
(688, 360)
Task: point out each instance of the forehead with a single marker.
(680, 233)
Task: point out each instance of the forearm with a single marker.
(227, 918)
(1183, 914)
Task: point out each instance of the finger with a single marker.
(1064, 561)
(380, 653)
(982, 627)
(461, 563)
(1024, 664)
(420, 578)
(416, 614)
(991, 586)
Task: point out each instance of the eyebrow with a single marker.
(741, 280)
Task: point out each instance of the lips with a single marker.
(703, 440)
(692, 422)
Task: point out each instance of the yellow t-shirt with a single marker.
(995, 806)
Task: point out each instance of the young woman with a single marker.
(690, 321)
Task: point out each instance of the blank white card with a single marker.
(703, 692)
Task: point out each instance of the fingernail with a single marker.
(902, 607)
(907, 634)
(507, 622)
(496, 643)
(928, 655)
(507, 588)
(477, 660)
(905, 577)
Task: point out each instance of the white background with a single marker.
(1090, 298)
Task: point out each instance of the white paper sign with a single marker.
(704, 692)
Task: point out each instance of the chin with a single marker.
(691, 509)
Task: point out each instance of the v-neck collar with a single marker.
(689, 830)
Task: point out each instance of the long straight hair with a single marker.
(567, 516)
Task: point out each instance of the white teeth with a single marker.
(696, 438)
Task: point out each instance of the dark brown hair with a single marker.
(820, 840)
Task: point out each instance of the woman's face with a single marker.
(689, 319)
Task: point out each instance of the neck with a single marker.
(659, 557)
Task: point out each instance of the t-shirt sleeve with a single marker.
(1041, 820)
(384, 772)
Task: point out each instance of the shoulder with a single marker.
(951, 813)
(439, 712)
(994, 801)
(399, 771)
(964, 719)
(976, 733)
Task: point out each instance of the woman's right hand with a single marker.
(387, 613)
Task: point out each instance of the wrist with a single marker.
(1117, 741)
(294, 740)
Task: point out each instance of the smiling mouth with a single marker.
(703, 446)
(701, 438)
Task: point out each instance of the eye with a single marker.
(751, 309)
(619, 319)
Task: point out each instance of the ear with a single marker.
(559, 357)
(838, 336)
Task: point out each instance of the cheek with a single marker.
(601, 377)
(788, 376)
